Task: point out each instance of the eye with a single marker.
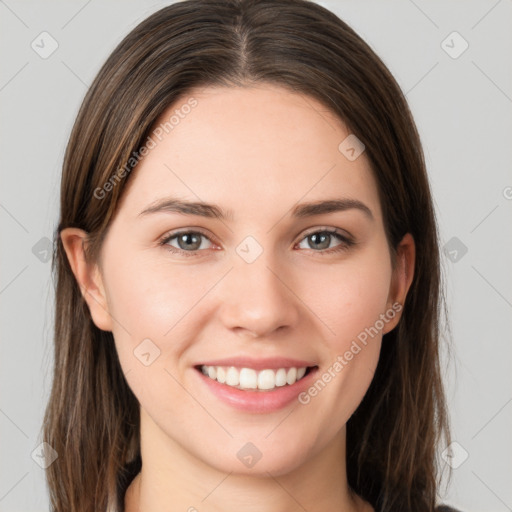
(186, 242)
(191, 243)
(321, 241)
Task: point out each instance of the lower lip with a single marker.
(258, 401)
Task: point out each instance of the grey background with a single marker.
(462, 107)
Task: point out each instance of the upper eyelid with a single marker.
(331, 230)
(173, 234)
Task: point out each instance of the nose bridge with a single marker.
(255, 297)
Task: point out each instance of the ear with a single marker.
(402, 279)
(88, 277)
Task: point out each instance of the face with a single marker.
(279, 272)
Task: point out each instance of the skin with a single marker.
(242, 148)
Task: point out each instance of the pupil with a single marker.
(320, 239)
(187, 239)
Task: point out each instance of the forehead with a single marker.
(254, 150)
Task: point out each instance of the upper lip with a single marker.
(271, 363)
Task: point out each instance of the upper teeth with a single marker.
(247, 378)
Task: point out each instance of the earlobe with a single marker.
(87, 276)
(402, 278)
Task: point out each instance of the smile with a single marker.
(251, 379)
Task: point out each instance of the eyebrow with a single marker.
(173, 205)
(330, 206)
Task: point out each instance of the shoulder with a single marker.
(446, 508)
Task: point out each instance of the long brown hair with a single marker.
(92, 418)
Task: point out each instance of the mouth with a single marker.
(251, 379)
(256, 385)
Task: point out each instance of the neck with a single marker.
(172, 479)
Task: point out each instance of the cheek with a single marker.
(350, 299)
(156, 306)
(151, 302)
(349, 296)
(150, 296)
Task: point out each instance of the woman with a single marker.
(248, 280)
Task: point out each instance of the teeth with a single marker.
(281, 377)
(266, 379)
(221, 374)
(247, 378)
(232, 377)
(291, 376)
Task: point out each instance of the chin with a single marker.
(258, 458)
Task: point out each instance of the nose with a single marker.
(258, 299)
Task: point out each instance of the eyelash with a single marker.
(345, 244)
